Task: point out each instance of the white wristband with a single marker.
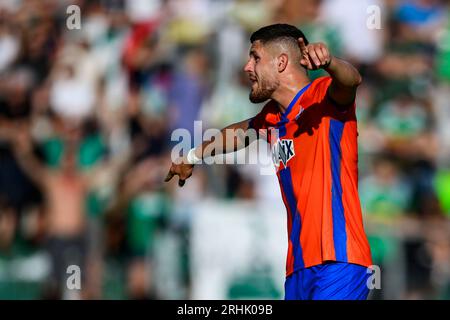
(192, 158)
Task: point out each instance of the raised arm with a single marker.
(346, 77)
(24, 155)
(111, 168)
(231, 138)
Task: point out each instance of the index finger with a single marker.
(302, 45)
(169, 176)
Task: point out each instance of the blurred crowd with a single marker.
(86, 117)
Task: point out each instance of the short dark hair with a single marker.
(276, 32)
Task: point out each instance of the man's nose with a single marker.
(248, 67)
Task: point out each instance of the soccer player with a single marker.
(315, 152)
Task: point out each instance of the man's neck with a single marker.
(289, 89)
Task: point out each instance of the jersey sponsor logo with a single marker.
(283, 151)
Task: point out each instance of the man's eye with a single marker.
(257, 59)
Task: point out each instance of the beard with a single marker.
(263, 92)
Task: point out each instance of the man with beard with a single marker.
(311, 126)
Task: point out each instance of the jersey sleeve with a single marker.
(332, 108)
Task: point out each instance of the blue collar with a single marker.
(294, 101)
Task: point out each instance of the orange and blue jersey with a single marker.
(314, 147)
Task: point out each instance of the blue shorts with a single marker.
(328, 281)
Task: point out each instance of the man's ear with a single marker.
(282, 62)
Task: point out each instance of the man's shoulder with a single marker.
(271, 107)
(321, 83)
(317, 90)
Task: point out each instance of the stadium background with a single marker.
(109, 95)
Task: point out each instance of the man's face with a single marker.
(262, 72)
